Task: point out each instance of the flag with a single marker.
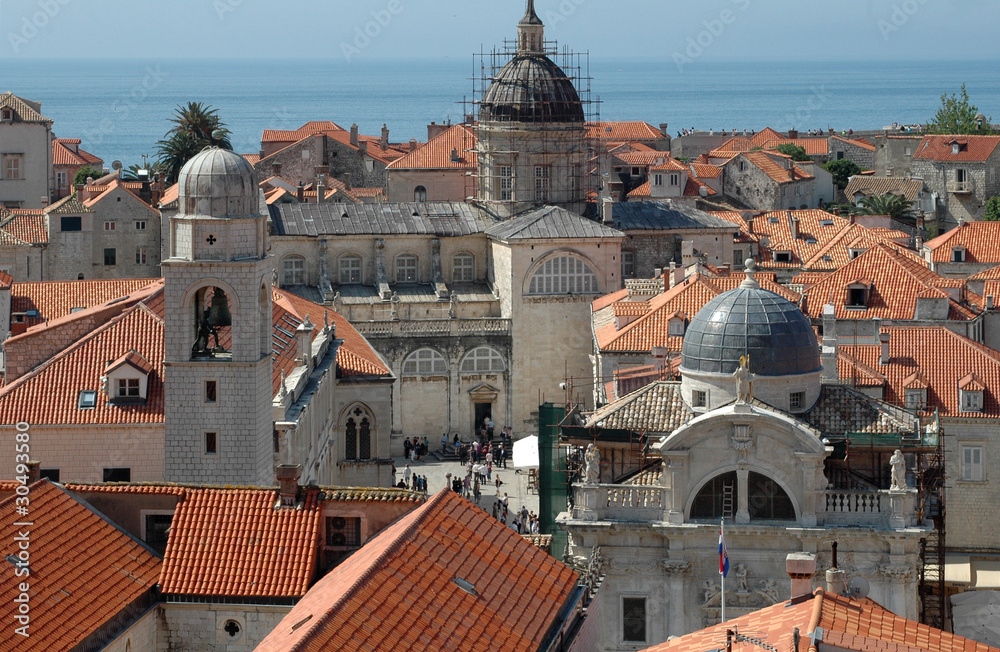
(723, 555)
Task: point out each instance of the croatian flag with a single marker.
(723, 555)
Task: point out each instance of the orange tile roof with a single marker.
(747, 143)
(837, 252)
(981, 241)
(55, 299)
(366, 192)
(856, 373)
(84, 570)
(171, 195)
(916, 353)
(623, 130)
(648, 158)
(814, 225)
(26, 228)
(859, 142)
(860, 625)
(436, 154)
(641, 192)
(813, 146)
(63, 155)
(399, 591)
(897, 278)
(684, 299)
(609, 299)
(991, 274)
(777, 173)
(252, 159)
(49, 394)
(233, 542)
(973, 148)
(706, 170)
(295, 135)
(874, 186)
(693, 188)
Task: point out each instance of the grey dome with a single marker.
(218, 183)
(751, 321)
(532, 89)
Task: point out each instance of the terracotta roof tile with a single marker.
(861, 625)
(83, 568)
(64, 155)
(694, 186)
(252, 159)
(981, 241)
(813, 146)
(234, 542)
(777, 173)
(436, 154)
(858, 142)
(706, 170)
(55, 299)
(643, 191)
(872, 186)
(654, 408)
(366, 602)
(24, 110)
(649, 158)
(896, 278)
(623, 130)
(915, 356)
(841, 410)
(991, 274)
(26, 228)
(972, 148)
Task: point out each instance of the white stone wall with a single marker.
(968, 501)
(81, 453)
(34, 143)
(200, 627)
(139, 637)
(441, 185)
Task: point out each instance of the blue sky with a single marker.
(725, 30)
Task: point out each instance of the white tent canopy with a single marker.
(525, 455)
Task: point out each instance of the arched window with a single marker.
(406, 268)
(293, 271)
(425, 362)
(564, 275)
(350, 270)
(365, 440)
(351, 440)
(420, 194)
(463, 268)
(766, 500)
(483, 360)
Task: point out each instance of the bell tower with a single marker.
(217, 281)
(530, 32)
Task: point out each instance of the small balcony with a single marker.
(960, 187)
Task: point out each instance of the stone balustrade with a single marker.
(620, 502)
(433, 327)
(893, 509)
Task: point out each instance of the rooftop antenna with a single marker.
(858, 588)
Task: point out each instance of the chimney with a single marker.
(300, 192)
(836, 579)
(385, 137)
(800, 566)
(663, 129)
(303, 336)
(749, 220)
(676, 274)
(347, 180)
(276, 169)
(79, 188)
(793, 134)
(836, 211)
(608, 211)
(354, 134)
(157, 189)
(455, 158)
(322, 171)
(288, 483)
(794, 221)
(989, 302)
(34, 471)
(829, 345)
(146, 190)
(363, 146)
(413, 144)
(884, 356)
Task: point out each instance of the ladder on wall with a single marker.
(728, 502)
(933, 599)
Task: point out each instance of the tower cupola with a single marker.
(530, 32)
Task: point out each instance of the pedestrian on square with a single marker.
(407, 474)
(444, 443)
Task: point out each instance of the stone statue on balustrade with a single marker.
(898, 464)
(744, 381)
(592, 468)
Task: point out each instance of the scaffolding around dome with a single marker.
(532, 107)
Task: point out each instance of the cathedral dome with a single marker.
(778, 339)
(218, 183)
(531, 89)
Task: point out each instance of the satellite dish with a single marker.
(858, 588)
(117, 165)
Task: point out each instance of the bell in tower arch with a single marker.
(218, 314)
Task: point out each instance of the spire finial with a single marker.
(530, 31)
(751, 269)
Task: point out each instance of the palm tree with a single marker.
(131, 173)
(196, 126)
(897, 207)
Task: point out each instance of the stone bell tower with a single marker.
(217, 279)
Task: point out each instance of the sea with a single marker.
(121, 107)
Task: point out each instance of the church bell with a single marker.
(218, 314)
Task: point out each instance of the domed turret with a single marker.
(776, 339)
(531, 89)
(218, 183)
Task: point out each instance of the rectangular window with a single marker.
(699, 398)
(840, 156)
(118, 474)
(50, 474)
(628, 264)
(350, 270)
(506, 183)
(782, 257)
(211, 389)
(914, 399)
(343, 532)
(971, 401)
(72, 223)
(157, 529)
(61, 178)
(541, 183)
(856, 298)
(972, 463)
(12, 166)
(795, 400)
(109, 226)
(87, 399)
(140, 225)
(657, 179)
(463, 268)
(958, 255)
(675, 179)
(110, 257)
(633, 620)
(211, 443)
(406, 269)
(140, 256)
(128, 387)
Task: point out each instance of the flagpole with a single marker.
(722, 536)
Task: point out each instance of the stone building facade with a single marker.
(25, 154)
(962, 172)
(768, 181)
